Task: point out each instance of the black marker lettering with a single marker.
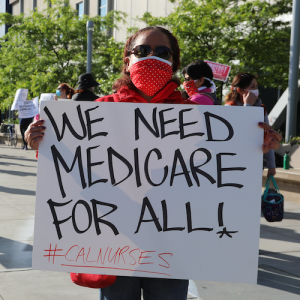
(52, 206)
(89, 122)
(67, 122)
(57, 156)
(89, 212)
(146, 203)
(208, 126)
(139, 116)
(90, 165)
(98, 220)
(165, 218)
(182, 124)
(220, 170)
(163, 123)
(137, 167)
(111, 152)
(159, 156)
(189, 220)
(195, 169)
(178, 156)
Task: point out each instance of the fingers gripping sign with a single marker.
(35, 133)
(271, 137)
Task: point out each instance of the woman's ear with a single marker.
(199, 82)
(127, 63)
(239, 90)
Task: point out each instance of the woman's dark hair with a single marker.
(198, 69)
(240, 80)
(125, 78)
(69, 91)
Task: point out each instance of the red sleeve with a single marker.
(109, 98)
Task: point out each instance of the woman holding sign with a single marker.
(244, 92)
(151, 57)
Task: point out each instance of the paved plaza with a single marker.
(279, 261)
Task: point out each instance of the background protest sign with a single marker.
(220, 71)
(47, 97)
(21, 95)
(168, 191)
(28, 109)
(36, 102)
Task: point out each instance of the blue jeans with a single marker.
(129, 288)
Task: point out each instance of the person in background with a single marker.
(64, 91)
(151, 57)
(24, 123)
(198, 83)
(244, 92)
(85, 89)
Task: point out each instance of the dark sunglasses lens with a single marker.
(163, 52)
(142, 51)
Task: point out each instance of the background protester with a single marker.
(198, 83)
(244, 92)
(24, 123)
(151, 57)
(64, 91)
(85, 89)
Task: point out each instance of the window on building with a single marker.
(103, 8)
(80, 7)
(34, 4)
(2, 10)
(21, 6)
(49, 3)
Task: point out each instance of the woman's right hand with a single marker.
(34, 134)
(249, 98)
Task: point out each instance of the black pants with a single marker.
(24, 123)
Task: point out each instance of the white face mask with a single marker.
(255, 92)
(136, 59)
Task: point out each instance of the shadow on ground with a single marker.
(285, 234)
(15, 255)
(16, 158)
(16, 191)
(17, 173)
(276, 279)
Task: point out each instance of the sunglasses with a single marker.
(145, 50)
(186, 79)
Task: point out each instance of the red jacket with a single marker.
(167, 95)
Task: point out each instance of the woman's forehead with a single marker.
(253, 82)
(152, 38)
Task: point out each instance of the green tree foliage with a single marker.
(49, 47)
(249, 36)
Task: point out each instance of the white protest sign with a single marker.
(36, 102)
(47, 97)
(169, 191)
(27, 109)
(21, 95)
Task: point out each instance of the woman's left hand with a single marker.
(271, 171)
(271, 137)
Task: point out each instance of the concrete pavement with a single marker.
(279, 262)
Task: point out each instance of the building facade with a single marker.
(5, 7)
(133, 9)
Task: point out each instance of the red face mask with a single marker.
(190, 87)
(151, 74)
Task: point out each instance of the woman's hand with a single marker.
(34, 134)
(271, 137)
(248, 97)
(271, 171)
